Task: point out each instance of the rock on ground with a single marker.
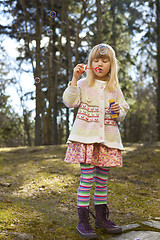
(138, 235)
(152, 223)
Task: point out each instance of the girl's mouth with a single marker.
(98, 69)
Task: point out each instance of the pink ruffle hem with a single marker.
(95, 154)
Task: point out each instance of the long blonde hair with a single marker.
(111, 78)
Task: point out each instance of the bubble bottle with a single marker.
(114, 115)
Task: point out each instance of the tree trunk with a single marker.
(69, 62)
(50, 92)
(98, 3)
(54, 102)
(125, 130)
(55, 130)
(158, 66)
(27, 127)
(77, 43)
(54, 83)
(113, 15)
(38, 86)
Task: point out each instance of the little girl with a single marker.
(95, 141)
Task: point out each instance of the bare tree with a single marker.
(158, 64)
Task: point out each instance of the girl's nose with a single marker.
(100, 63)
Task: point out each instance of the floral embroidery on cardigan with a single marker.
(110, 122)
(87, 118)
(91, 114)
(89, 108)
(88, 99)
(107, 121)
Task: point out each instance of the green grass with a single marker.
(41, 200)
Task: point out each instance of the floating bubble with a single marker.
(37, 80)
(103, 49)
(49, 32)
(52, 14)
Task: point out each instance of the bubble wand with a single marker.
(84, 68)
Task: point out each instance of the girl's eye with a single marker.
(95, 60)
(105, 61)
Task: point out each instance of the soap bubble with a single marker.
(49, 32)
(37, 80)
(52, 14)
(103, 49)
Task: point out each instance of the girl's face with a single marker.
(104, 66)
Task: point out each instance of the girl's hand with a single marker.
(77, 72)
(116, 108)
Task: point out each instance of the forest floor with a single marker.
(38, 191)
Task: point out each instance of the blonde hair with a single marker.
(111, 78)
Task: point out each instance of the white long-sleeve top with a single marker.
(93, 123)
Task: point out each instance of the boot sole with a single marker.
(88, 236)
(113, 231)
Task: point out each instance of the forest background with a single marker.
(52, 45)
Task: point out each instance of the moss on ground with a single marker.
(40, 197)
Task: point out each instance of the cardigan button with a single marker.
(101, 125)
(101, 138)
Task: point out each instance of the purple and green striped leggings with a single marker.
(89, 175)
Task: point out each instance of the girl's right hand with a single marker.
(77, 72)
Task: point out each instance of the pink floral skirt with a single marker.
(95, 154)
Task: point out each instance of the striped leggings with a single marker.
(90, 174)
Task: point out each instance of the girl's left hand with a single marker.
(116, 108)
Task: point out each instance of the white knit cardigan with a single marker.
(93, 123)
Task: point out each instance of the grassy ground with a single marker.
(38, 191)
